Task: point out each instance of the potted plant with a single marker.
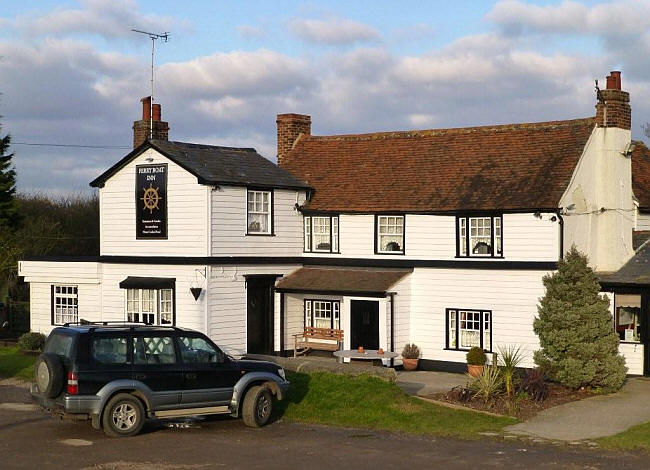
(410, 356)
(476, 360)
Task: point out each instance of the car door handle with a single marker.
(190, 376)
(140, 376)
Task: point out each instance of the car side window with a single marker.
(154, 350)
(110, 350)
(198, 351)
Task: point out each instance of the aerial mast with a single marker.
(153, 36)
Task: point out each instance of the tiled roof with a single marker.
(212, 164)
(641, 174)
(341, 280)
(636, 272)
(517, 166)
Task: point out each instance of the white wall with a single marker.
(229, 224)
(525, 237)
(642, 221)
(512, 296)
(602, 179)
(187, 207)
(227, 305)
(402, 312)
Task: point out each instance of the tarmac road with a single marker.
(34, 440)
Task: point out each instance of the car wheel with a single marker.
(48, 375)
(123, 416)
(257, 406)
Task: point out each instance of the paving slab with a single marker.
(591, 418)
(425, 383)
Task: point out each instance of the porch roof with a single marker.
(634, 273)
(366, 282)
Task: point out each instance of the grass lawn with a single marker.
(368, 402)
(13, 363)
(636, 438)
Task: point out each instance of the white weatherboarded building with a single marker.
(437, 237)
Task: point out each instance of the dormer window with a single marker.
(259, 219)
(479, 236)
(390, 234)
(321, 234)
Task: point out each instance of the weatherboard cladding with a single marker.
(507, 167)
(214, 165)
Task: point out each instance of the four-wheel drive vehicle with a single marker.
(118, 375)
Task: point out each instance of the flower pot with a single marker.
(409, 364)
(474, 370)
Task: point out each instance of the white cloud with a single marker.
(332, 31)
(108, 18)
(248, 31)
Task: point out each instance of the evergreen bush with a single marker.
(476, 356)
(579, 346)
(31, 341)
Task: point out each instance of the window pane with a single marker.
(390, 231)
(166, 307)
(335, 234)
(307, 233)
(321, 233)
(308, 307)
(627, 309)
(497, 234)
(154, 350)
(259, 211)
(452, 329)
(487, 325)
(462, 235)
(480, 235)
(109, 350)
(65, 304)
(322, 314)
(198, 351)
(470, 329)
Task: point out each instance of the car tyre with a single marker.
(123, 416)
(257, 406)
(48, 375)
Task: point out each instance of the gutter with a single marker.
(560, 219)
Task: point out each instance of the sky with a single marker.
(72, 73)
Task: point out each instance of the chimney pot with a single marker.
(157, 112)
(613, 107)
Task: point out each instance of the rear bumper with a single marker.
(68, 404)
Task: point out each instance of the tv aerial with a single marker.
(164, 37)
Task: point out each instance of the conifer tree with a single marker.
(579, 346)
(8, 205)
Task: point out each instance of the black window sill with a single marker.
(487, 351)
(631, 342)
(479, 257)
(389, 253)
(260, 234)
(322, 252)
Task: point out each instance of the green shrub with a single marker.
(31, 341)
(488, 384)
(511, 356)
(476, 356)
(579, 346)
(410, 351)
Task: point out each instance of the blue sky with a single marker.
(71, 72)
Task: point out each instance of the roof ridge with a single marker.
(452, 130)
(206, 146)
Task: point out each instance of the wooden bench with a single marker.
(321, 339)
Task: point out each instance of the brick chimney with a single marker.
(141, 127)
(290, 126)
(613, 107)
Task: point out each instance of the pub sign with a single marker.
(151, 201)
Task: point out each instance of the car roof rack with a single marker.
(116, 324)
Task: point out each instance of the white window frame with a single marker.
(310, 233)
(466, 320)
(383, 225)
(65, 297)
(258, 210)
(152, 309)
(322, 309)
(467, 232)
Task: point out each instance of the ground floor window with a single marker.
(469, 328)
(323, 314)
(627, 309)
(152, 306)
(65, 304)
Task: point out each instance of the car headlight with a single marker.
(281, 373)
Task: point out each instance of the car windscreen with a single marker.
(59, 344)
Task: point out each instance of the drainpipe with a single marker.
(392, 326)
(560, 219)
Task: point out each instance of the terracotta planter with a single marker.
(474, 371)
(410, 364)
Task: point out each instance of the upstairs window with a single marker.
(390, 234)
(259, 213)
(479, 236)
(322, 234)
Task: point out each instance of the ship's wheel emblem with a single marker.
(151, 198)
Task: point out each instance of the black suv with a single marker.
(117, 375)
